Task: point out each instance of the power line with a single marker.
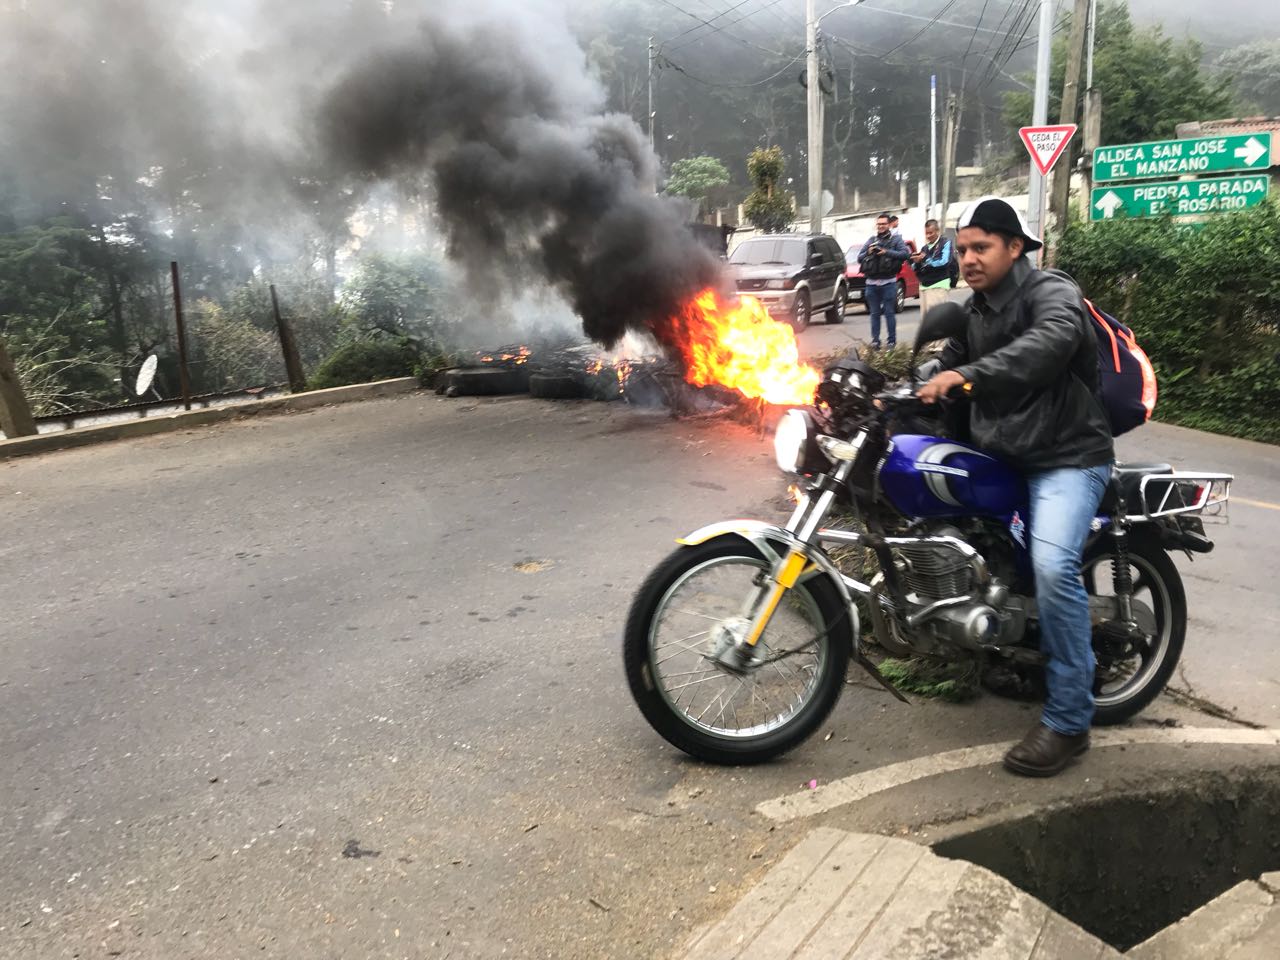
(743, 17)
(754, 83)
(698, 26)
(708, 23)
(921, 32)
(973, 36)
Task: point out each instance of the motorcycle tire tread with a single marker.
(703, 745)
(1163, 564)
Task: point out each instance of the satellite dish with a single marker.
(146, 375)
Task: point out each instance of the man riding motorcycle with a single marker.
(1028, 364)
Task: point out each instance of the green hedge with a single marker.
(365, 361)
(1204, 303)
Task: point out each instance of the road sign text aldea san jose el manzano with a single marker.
(1170, 158)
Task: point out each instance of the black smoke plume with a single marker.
(528, 177)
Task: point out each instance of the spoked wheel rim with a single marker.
(1153, 611)
(684, 633)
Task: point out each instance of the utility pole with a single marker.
(1092, 114)
(15, 412)
(951, 135)
(933, 142)
(1040, 117)
(814, 109)
(651, 56)
(1070, 101)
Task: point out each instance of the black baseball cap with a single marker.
(998, 216)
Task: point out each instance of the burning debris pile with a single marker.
(719, 353)
(525, 168)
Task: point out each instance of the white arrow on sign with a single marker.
(1109, 203)
(1251, 152)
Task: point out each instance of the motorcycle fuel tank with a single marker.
(933, 477)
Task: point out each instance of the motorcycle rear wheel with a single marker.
(705, 710)
(1126, 686)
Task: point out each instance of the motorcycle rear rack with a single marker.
(1206, 491)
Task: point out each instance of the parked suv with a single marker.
(792, 275)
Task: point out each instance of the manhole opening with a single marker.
(1125, 867)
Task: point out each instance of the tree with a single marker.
(397, 295)
(767, 207)
(1254, 68)
(696, 178)
(1149, 83)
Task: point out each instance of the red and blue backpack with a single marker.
(1126, 379)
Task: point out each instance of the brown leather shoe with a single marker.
(1044, 752)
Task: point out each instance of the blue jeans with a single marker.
(882, 298)
(1063, 503)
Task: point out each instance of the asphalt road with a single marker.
(821, 338)
(348, 683)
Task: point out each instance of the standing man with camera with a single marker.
(881, 258)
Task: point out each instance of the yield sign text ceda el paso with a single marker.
(1046, 144)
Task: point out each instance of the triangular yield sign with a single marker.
(1046, 144)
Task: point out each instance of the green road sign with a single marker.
(1182, 198)
(1172, 158)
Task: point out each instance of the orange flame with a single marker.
(740, 346)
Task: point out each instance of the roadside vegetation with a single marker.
(1203, 302)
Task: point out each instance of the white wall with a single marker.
(850, 230)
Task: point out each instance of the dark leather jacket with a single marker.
(1032, 360)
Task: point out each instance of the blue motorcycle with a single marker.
(737, 645)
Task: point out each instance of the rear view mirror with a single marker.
(942, 322)
(815, 259)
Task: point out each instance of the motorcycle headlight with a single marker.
(795, 444)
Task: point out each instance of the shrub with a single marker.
(365, 361)
(1204, 303)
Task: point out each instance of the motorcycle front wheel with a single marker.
(692, 605)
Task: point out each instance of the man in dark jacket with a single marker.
(1029, 363)
(881, 258)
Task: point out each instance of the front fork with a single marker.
(806, 520)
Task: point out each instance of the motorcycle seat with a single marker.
(1126, 482)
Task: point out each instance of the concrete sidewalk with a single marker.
(148, 426)
(852, 896)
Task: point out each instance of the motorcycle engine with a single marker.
(931, 572)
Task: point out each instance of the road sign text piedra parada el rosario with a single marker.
(1179, 197)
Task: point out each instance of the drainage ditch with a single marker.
(1125, 867)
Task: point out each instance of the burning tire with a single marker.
(550, 386)
(688, 611)
(485, 381)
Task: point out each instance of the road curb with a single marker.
(149, 426)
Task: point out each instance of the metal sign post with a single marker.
(183, 375)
